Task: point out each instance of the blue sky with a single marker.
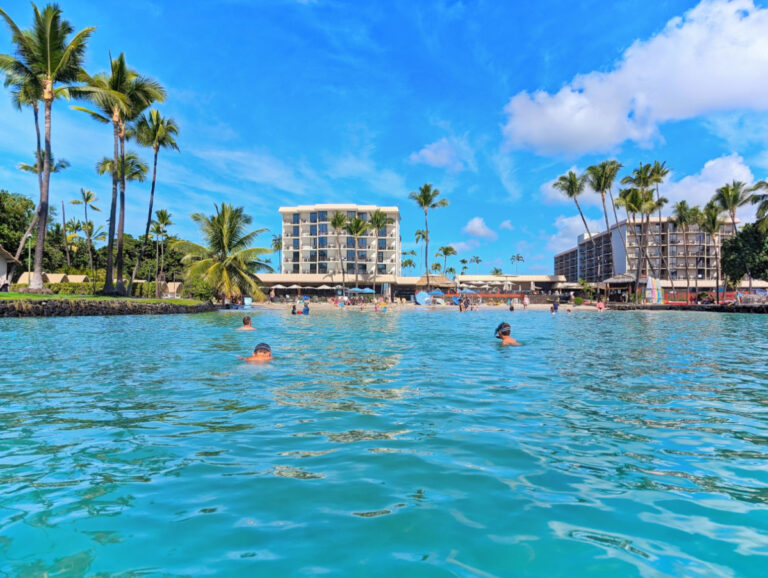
(283, 103)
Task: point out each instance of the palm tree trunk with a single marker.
(341, 262)
(426, 248)
(108, 281)
(607, 232)
(357, 269)
(64, 228)
(162, 257)
(716, 241)
(616, 219)
(121, 220)
(375, 261)
(42, 220)
(687, 274)
(157, 267)
(149, 223)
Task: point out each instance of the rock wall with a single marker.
(76, 307)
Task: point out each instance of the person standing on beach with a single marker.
(526, 302)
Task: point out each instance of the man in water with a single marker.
(246, 325)
(305, 311)
(503, 332)
(555, 306)
(262, 352)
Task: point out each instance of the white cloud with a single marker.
(453, 154)
(505, 168)
(709, 60)
(506, 225)
(568, 231)
(364, 169)
(698, 189)
(464, 246)
(477, 228)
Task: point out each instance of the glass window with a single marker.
(383, 232)
(380, 257)
(313, 217)
(313, 268)
(351, 242)
(362, 268)
(322, 267)
(350, 255)
(382, 269)
(363, 216)
(322, 216)
(362, 243)
(296, 231)
(295, 243)
(323, 229)
(350, 267)
(351, 214)
(382, 244)
(322, 242)
(295, 257)
(295, 268)
(322, 255)
(295, 218)
(313, 230)
(361, 255)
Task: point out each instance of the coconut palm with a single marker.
(600, 178)
(420, 236)
(463, 265)
(497, 272)
(152, 130)
(227, 262)
(642, 181)
(711, 223)
(683, 219)
(437, 267)
(378, 220)
(733, 196)
(426, 199)
(44, 61)
(445, 252)
(515, 259)
(356, 228)
(36, 167)
(338, 222)
(277, 247)
(87, 199)
(118, 97)
(163, 219)
(408, 264)
(761, 200)
(631, 199)
(572, 185)
(450, 271)
(476, 260)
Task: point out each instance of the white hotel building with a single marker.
(310, 252)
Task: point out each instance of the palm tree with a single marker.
(445, 251)
(44, 59)
(277, 247)
(408, 264)
(227, 262)
(696, 219)
(420, 236)
(659, 172)
(153, 131)
(426, 198)
(463, 265)
(683, 219)
(632, 201)
(157, 233)
(338, 223)
(87, 199)
(496, 271)
(517, 258)
(642, 180)
(761, 200)
(56, 166)
(378, 220)
(356, 228)
(573, 186)
(476, 260)
(119, 97)
(163, 219)
(72, 228)
(600, 178)
(711, 223)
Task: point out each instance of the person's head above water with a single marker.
(503, 329)
(262, 350)
(246, 320)
(246, 326)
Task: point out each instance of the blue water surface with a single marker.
(396, 444)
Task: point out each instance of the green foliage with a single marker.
(143, 290)
(198, 289)
(16, 211)
(586, 288)
(746, 252)
(578, 301)
(73, 288)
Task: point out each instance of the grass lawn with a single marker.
(22, 296)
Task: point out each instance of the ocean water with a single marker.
(406, 443)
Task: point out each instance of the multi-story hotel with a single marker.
(312, 247)
(668, 251)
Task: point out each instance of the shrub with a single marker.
(144, 290)
(578, 301)
(72, 288)
(197, 289)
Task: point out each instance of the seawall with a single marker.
(90, 307)
(758, 308)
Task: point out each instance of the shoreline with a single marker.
(41, 307)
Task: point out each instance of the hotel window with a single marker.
(295, 257)
(322, 242)
(351, 214)
(382, 244)
(312, 268)
(350, 242)
(350, 267)
(313, 217)
(295, 268)
(361, 255)
(296, 231)
(313, 230)
(350, 255)
(362, 243)
(322, 267)
(313, 255)
(323, 229)
(322, 255)
(295, 243)
(322, 216)
(295, 218)
(382, 269)
(362, 268)
(363, 216)
(383, 232)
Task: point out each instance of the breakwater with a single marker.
(712, 308)
(91, 307)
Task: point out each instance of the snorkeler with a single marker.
(262, 352)
(246, 325)
(502, 332)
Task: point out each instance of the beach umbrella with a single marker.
(355, 290)
(437, 293)
(468, 292)
(324, 287)
(367, 290)
(294, 286)
(278, 286)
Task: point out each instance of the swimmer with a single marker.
(262, 352)
(246, 325)
(502, 332)
(600, 306)
(293, 309)
(305, 311)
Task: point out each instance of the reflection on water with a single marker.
(375, 443)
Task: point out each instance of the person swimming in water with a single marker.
(503, 332)
(262, 352)
(246, 325)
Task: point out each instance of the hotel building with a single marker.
(668, 251)
(310, 243)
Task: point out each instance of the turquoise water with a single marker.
(405, 444)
